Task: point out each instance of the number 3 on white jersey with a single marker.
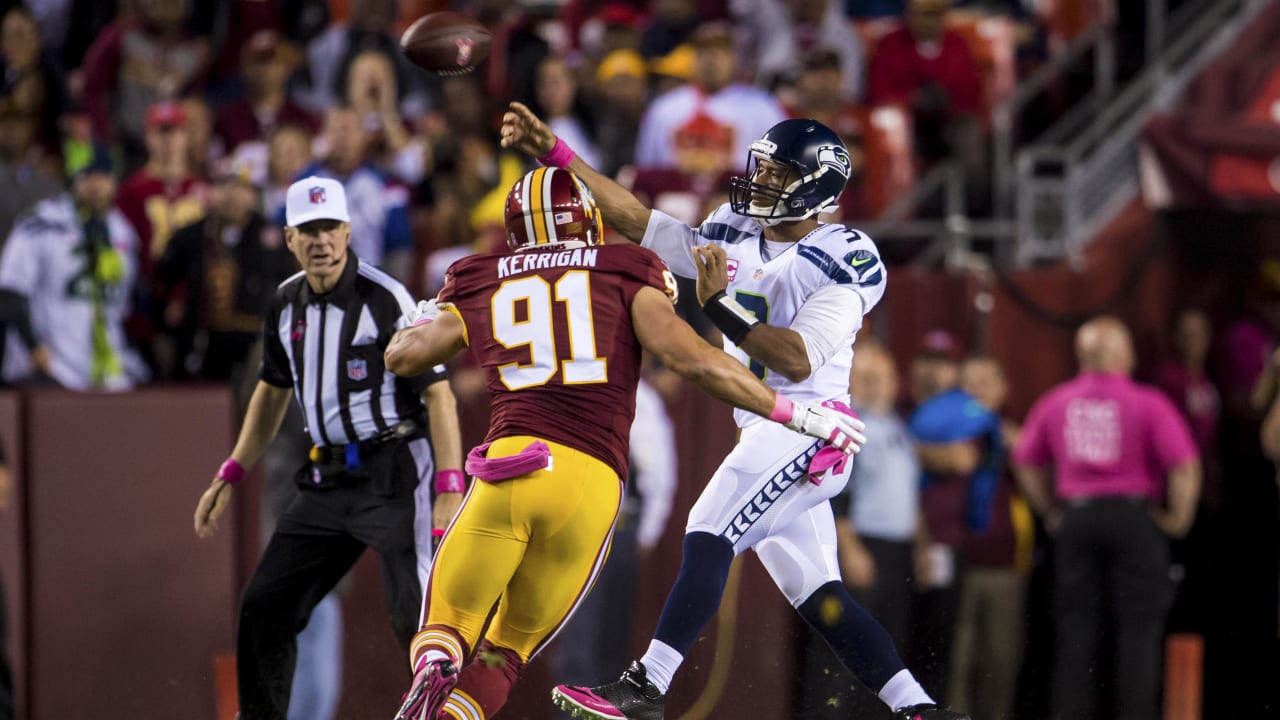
(537, 331)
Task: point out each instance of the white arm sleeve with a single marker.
(827, 319)
(673, 241)
(653, 456)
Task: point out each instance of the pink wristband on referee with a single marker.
(559, 157)
(783, 409)
(450, 481)
(231, 472)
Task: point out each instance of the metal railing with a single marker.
(1067, 191)
(1051, 193)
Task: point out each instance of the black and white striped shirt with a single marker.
(329, 348)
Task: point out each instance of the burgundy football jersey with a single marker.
(552, 329)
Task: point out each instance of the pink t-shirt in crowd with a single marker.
(1105, 434)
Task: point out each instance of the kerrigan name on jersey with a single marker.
(580, 257)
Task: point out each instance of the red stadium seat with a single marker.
(1067, 19)
(992, 40)
(1265, 107)
(888, 166)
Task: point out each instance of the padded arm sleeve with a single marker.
(830, 316)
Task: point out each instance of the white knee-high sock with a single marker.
(660, 663)
(902, 690)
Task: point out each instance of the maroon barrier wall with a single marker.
(127, 608)
(12, 549)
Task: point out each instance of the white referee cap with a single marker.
(315, 198)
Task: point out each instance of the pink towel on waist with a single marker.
(535, 456)
(829, 457)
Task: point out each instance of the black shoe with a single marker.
(928, 711)
(632, 697)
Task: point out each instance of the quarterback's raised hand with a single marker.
(522, 130)
(843, 432)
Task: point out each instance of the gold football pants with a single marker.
(533, 545)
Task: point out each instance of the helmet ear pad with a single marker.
(818, 165)
(551, 207)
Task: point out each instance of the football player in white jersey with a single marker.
(788, 292)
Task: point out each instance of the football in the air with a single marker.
(446, 43)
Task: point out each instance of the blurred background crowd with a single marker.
(202, 113)
(145, 146)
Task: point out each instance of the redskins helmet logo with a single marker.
(465, 47)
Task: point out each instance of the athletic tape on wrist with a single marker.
(559, 157)
(734, 320)
(450, 481)
(231, 472)
(783, 410)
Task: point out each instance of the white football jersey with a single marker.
(774, 280)
(45, 261)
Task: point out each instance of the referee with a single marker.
(324, 338)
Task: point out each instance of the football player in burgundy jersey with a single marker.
(558, 325)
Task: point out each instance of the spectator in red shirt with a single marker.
(135, 63)
(267, 63)
(164, 194)
(928, 69)
(925, 66)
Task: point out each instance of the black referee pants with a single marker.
(317, 540)
(1112, 577)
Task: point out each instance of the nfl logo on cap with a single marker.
(315, 198)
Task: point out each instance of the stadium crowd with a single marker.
(146, 145)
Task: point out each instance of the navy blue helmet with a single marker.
(808, 169)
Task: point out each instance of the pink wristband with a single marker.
(783, 410)
(231, 472)
(437, 532)
(450, 481)
(559, 157)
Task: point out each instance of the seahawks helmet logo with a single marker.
(836, 158)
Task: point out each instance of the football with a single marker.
(446, 43)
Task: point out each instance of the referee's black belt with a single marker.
(351, 453)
